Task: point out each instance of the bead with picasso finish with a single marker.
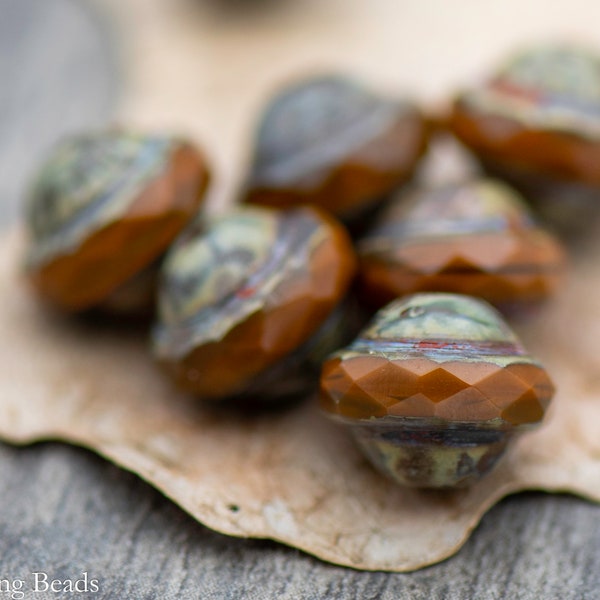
(103, 209)
(536, 123)
(242, 297)
(434, 388)
(332, 142)
(475, 238)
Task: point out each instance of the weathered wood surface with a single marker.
(64, 511)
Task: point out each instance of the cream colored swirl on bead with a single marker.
(90, 181)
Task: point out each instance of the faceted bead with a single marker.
(475, 238)
(536, 123)
(245, 291)
(104, 207)
(331, 142)
(539, 111)
(436, 379)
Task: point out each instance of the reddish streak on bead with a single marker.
(509, 88)
(246, 292)
(432, 344)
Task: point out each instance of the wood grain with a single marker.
(66, 511)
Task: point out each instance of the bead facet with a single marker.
(434, 389)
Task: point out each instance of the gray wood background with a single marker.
(65, 511)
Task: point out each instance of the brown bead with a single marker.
(538, 115)
(434, 389)
(331, 142)
(475, 238)
(105, 207)
(245, 291)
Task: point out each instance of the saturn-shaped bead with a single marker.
(242, 296)
(434, 389)
(332, 142)
(103, 209)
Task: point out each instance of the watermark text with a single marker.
(39, 581)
